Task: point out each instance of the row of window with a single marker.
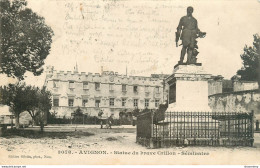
(111, 102)
(111, 86)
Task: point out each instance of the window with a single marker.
(84, 102)
(123, 88)
(146, 102)
(111, 102)
(97, 86)
(135, 89)
(85, 85)
(71, 84)
(135, 102)
(157, 101)
(97, 102)
(71, 102)
(111, 87)
(146, 88)
(55, 84)
(157, 89)
(123, 102)
(56, 102)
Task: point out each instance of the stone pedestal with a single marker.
(188, 89)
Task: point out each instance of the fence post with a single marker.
(192, 136)
(177, 142)
(252, 128)
(228, 131)
(151, 135)
(163, 142)
(137, 129)
(184, 131)
(170, 128)
(257, 125)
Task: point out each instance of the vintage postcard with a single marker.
(127, 82)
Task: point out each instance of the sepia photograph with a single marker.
(127, 82)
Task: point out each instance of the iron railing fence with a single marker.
(195, 128)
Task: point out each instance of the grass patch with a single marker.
(36, 134)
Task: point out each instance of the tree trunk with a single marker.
(33, 117)
(33, 120)
(17, 124)
(42, 126)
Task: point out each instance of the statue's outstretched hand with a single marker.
(202, 34)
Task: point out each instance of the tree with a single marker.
(22, 98)
(51, 116)
(78, 112)
(38, 103)
(251, 61)
(13, 96)
(25, 39)
(31, 103)
(136, 111)
(100, 113)
(78, 116)
(44, 105)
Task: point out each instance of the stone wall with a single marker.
(242, 101)
(245, 85)
(214, 86)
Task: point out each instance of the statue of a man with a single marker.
(188, 31)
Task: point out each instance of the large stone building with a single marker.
(110, 92)
(113, 93)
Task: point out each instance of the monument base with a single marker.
(174, 107)
(188, 89)
(185, 63)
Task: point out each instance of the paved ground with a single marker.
(92, 145)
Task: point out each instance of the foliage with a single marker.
(38, 103)
(51, 116)
(35, 100)
(123, 113)
(136, 111)
(13, 96)
(78, 116)
(78, 112)
(100, 113)
(25, 39)
(251, 61)
(160, 112)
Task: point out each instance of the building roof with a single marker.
(159, 75)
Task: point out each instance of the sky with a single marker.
(140, 35)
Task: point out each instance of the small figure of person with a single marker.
(257, 125)
(100, 116)
(109, 121)
(110, 124)
(101, 124)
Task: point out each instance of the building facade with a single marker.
(113, 93)
(110, 92)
